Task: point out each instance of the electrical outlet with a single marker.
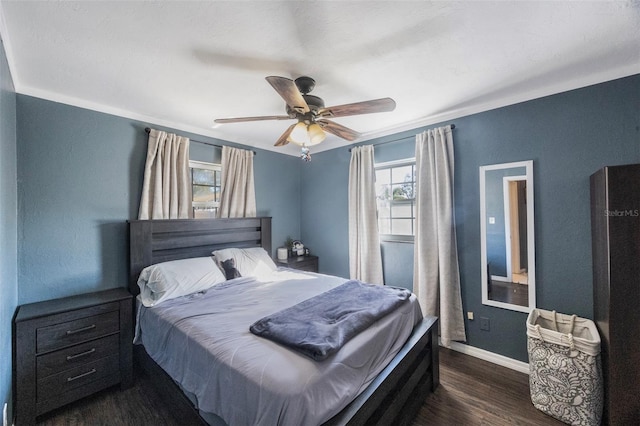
(470, 316)
(484, 324)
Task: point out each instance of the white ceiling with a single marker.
(183, 64)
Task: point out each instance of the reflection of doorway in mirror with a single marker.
(513, 287)
(515, 209)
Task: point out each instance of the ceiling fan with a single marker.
(311, 114)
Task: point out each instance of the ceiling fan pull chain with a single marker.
(305, 154)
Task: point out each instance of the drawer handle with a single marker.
(79, 376)
(79, 330)
(81, 354)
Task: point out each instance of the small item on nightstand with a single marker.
(283, 253)
(306, 251)
(298, 248)
(288, 243)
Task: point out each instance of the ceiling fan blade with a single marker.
(338, 130)
(366, 107)
(283, 139)
(243, 119)
(289, 91)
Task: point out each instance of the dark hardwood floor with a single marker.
(477, 392)
(471, 392)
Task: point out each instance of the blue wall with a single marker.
(80, 176)
(569, 136)
(8, 223)
(79, 179)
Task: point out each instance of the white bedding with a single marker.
(203, 341)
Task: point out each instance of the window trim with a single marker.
(397, 238)
(393, 238)
(194, 164)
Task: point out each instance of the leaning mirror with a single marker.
(507, 236)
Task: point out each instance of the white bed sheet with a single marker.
(203, 342)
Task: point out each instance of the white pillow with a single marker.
(168, 280)
(250, 262)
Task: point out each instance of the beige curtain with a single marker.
(237, 194)
(166, 189)
(436, 277)
(365, 258)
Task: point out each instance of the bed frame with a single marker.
(394, 397)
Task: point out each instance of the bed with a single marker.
(393, 396)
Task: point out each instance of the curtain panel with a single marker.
(237, 193)
(365, 258)
(436, 276)
(166, 189)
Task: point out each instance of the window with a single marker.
(395, 197)
(205, 193)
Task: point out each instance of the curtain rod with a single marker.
(148, 129)
(453, 126)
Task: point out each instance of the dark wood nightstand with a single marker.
(68, 348)
(303, 263)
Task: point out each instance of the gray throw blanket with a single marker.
(319, 326)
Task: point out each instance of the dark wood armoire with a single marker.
(615, 231)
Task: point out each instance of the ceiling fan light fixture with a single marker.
(316, 134)
(299, 134)
(304, 134)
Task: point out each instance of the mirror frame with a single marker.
(531, 270)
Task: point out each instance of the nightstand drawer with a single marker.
(76, 377)
(310, 265)
(80, 330)
(78, 355)
(301, 263)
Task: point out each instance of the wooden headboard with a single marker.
(155, 241)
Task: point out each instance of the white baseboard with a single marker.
(498, 359)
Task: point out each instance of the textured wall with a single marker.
(8, 223)
(568, 136)
(80, 174)
(79, 179)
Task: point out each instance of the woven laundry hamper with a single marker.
(565, 368)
